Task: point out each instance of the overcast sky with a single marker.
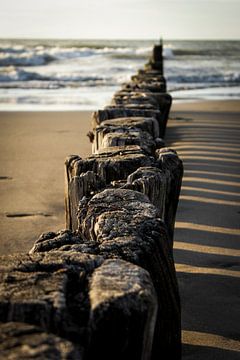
(119, 19)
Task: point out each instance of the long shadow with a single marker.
(210, 165)
(197, 352)
(207, 234)
(204, 238)
(226, 264)
(205, 306)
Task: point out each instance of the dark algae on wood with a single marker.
(105, 287)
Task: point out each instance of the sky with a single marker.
(120, 19)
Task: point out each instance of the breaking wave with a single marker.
(39, 55)
(62, 67)
(19, 78)
(227, 78)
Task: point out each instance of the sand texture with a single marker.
(33, 147)
(207, 233)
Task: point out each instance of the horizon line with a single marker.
(119, 39)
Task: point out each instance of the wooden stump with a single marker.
(125, 224)
(156, 60)
(152, 182)
(154, 86)
(84, 177)
(19, 341)
(119, 112)
(123, 312)
(138, 98)
(170, 163)
(161, 101)
(165, 103)
(149, 124)
(145, 75)
(122, 112)
(122, 135)
(49, 290)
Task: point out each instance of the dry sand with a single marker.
(33, 147)
(207, 236)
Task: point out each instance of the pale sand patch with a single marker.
(205, 270)
(205, 249)
(210, 340)
(203, 227)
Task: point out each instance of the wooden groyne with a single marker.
(106, 286)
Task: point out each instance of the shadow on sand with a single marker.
(207, 234)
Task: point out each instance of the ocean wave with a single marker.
(15, 74)
(10, 76)
(40, 55)
(139, 54)
(25, 59)
(205, 52)
(57, 84)
(168, 53)
(229, 77)
(19, 78)
(18, 49)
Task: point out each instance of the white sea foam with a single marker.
(55, 71)
(168, 53)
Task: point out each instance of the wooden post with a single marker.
(84, 177)
(170, 163)
(119, 112)
(44, 289)
(123, 312)
(24, 341)
(152, 182)
(122, 132)
(126, 225)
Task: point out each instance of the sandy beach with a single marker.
(33, 146)
(206, 136)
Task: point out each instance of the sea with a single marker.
(84, 74)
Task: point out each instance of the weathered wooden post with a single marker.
(86, 177)
(25, 341)
(172, 166)
(156, 61)
(123, 312)
(126, 225)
